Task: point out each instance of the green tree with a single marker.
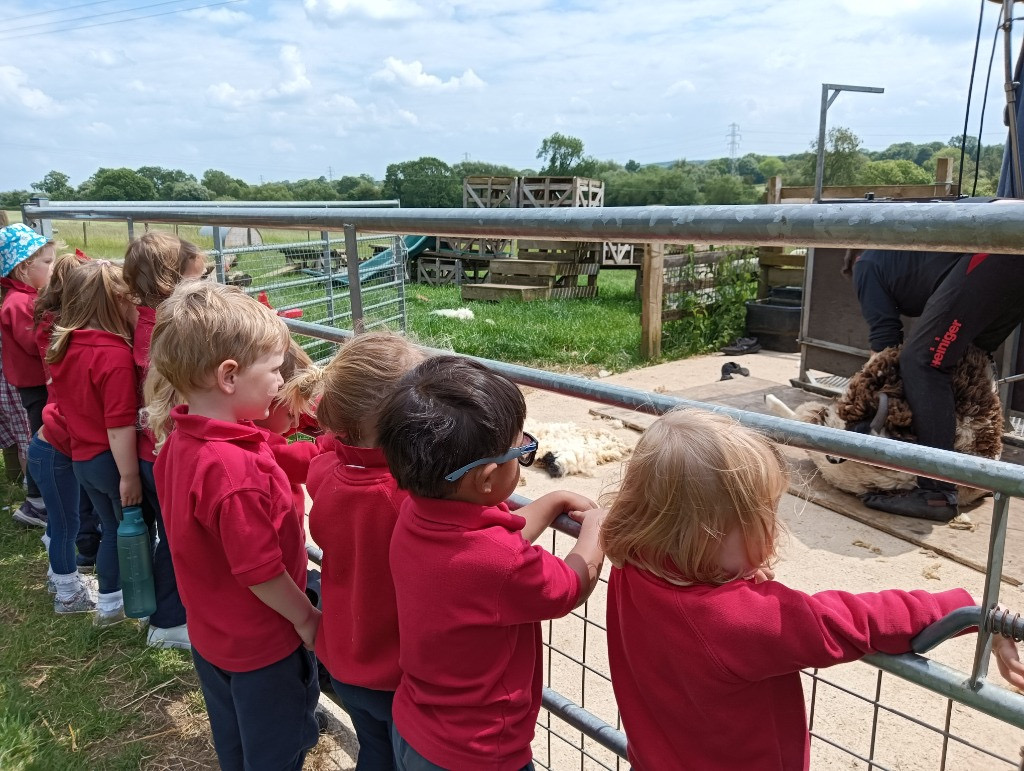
(270, 191)
(361, 188)
(843, 156)
(13, 199)
(483, 169)
(749, 168)
(425, 182)
(770, 167)
(970, 145)
(314, 190)
(223, 186)
(56, 185)
(188, 190)
(652, 185)
(726, 189)
(117, 185)
(893, 172)
(561, 154)
(164, 181)
(632, 166)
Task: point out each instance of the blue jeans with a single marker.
(262, 720)
(57, 483)
(101, 481)
(407, 759)
(33, 399)
(169, 610)
(88, 540)
(370, 711)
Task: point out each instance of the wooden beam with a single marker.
(650, 301)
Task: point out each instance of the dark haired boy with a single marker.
(471, 589)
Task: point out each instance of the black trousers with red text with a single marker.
(980, 302)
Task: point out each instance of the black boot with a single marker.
(935, 505)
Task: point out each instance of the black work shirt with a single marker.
(892, 283)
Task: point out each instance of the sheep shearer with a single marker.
(961, 299)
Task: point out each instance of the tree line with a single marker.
(430, 182)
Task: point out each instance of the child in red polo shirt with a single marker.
(286, 414)
(355, 507)
(154, 264)
(237, 543)
(470, 587)
(706, 650)
(49, 459)
(26, 259)
(93, 381)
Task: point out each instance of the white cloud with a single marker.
(138, 87)
(680, 87)
(412, 74)
(218, 15)
(335, 11)
(296, 84)
(14, 91)
(99, 128)
(106, 57)
(279, 145)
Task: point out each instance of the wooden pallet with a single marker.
(437, 270)
(546, 192)
(521, 293)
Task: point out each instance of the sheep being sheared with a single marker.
(873, 402)
(565, 448)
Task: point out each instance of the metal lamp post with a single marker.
(826, 102)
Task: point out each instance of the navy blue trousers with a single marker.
(370, 711)
(262, 720)
(169, 610)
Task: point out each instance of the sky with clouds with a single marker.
(289, 89)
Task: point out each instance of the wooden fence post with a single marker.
(651, 298)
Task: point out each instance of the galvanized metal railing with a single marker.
(948, 227)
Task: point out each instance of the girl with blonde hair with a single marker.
(95, 390)
(355, 507)
(705, 648)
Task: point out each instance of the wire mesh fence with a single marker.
(310, 280)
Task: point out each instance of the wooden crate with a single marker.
(504, 292)
(562, 251)
(437, 270)
(548, 192)
(464, 247)
(490, 192)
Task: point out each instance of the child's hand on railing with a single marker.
(1007, 659)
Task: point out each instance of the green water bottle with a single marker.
(135, 559)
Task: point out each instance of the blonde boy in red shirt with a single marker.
(471, 588)
(237, 543)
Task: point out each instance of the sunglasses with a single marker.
(525, 454)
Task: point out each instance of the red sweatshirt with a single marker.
(708, 676)
(20, 356)
(355, 507)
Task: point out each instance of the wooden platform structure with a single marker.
(539, 270)
(968, 547)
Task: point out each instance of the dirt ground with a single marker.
(822, 550)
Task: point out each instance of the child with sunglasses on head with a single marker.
(705, 650)
(154, 264)
(355, 506)
(26, 259)
(471, 588)
(94, 386)
(238, 545)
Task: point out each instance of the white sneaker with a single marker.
(108, 617)
(79, 602)
(174, 637)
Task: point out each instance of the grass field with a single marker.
(580, 335)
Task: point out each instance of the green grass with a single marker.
(76, 697)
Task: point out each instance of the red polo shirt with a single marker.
(55, 429)
(708, 676)
(20, 357)
(41, 334)
(471, 593)
(94, 387)
(140, 354)
(355, 507)
(231, 524)
(294, 459)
